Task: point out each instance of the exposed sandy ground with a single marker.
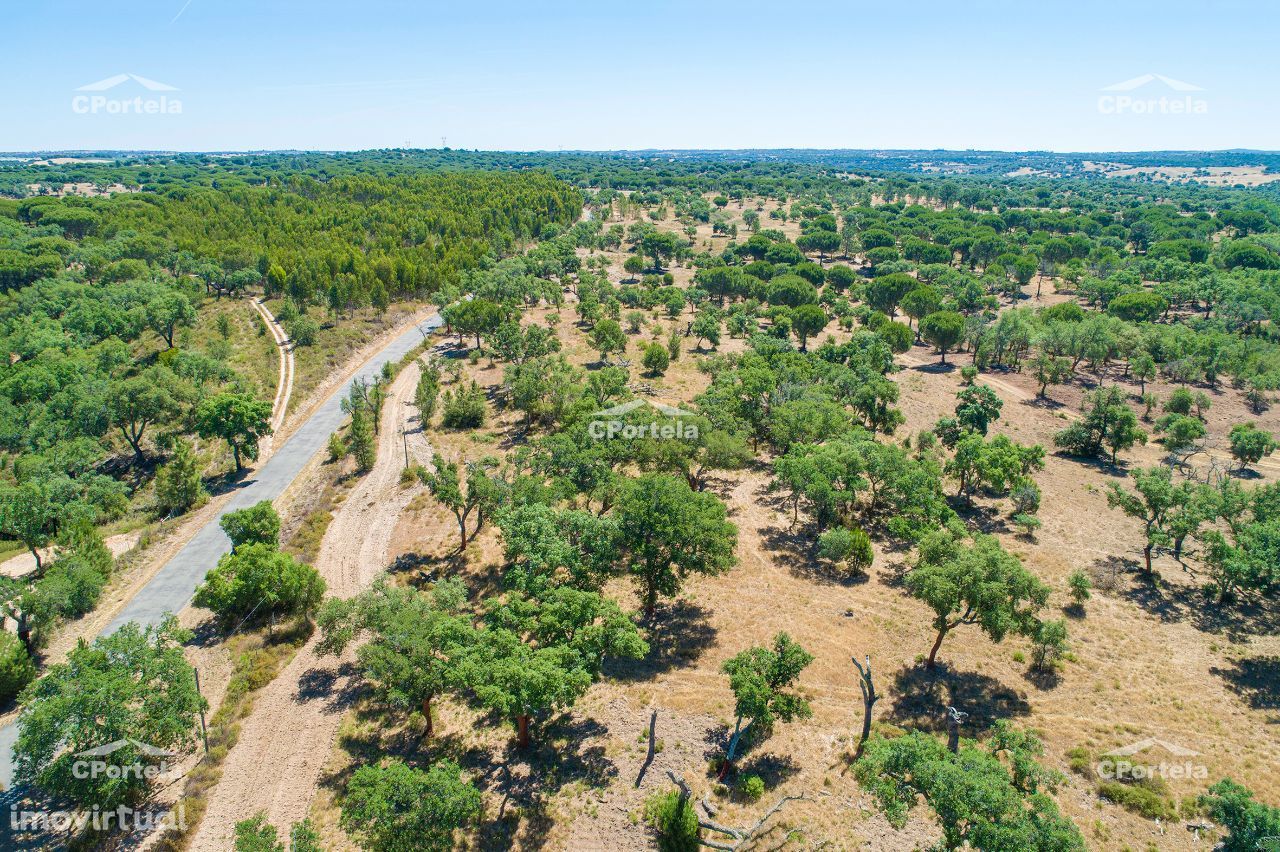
(1210, 176)
(283, 744)
(25, 563)
(284, 383)
(87, 190)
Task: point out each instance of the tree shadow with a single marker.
(772, 768)
(1239, 620)
(1256, 680)
(986, 519)
(678, 634)
(1119, 470)
(936, 367)
(894, 574)
(1074, 611)
(207, 633)
(524, 781)
(923, 696)
(338, 687)
(566, 750)
(1043, 679)
(1044, 402)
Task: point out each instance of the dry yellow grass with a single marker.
(1147, 660)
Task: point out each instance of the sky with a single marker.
(224, 75)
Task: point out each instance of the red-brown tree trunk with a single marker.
(937, 643)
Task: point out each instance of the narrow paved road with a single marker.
(277, 763)
(174, 585)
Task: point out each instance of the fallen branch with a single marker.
(741, 836)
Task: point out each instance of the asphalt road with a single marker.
(173, 586)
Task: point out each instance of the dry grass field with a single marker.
(1148, 658)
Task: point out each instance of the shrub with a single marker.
(1026, 497)
(465, 409)
(846, 545)
(1180, 402)
(674, 821)
(69, 589)
(16, 668)
(1140, 800)
(656, 359)
(1027, 524)
(178, 485)
(751, 788)
(1249, 822)
(303, 331)
(1080, 586)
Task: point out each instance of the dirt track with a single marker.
(284, 384)
(283, 745)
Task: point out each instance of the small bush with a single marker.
(852, 547)
(1027, 524)
(465, 409)
(1080, 587)
(16, 668)
(337, 447)
(1080, 761)
(676, 826)
(303, 331)
(1138, 800)
(751, 788)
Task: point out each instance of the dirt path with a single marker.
(25, 563)
(284, 384)
(283, 745)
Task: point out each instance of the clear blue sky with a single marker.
(547, 74)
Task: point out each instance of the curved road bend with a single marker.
(174, 585)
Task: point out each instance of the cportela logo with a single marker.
(149, 761)
(610, 423)
(97, 102)
(1152, 94)
(1144, 759)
